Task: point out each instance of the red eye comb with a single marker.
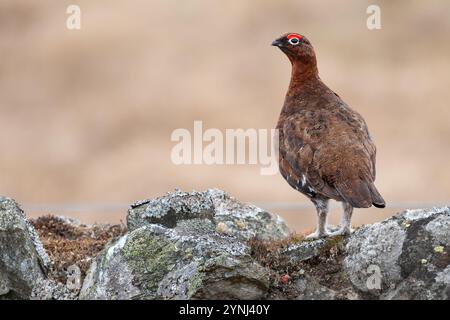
(293, 35)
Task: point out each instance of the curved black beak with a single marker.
(277, 43)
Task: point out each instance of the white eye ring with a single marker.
(294, 41)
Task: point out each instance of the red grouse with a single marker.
(326, 151)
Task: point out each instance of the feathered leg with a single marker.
(345, 228)
(322, 212)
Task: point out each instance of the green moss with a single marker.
(150, 257)
(220, 259)
(188, 253)
(195, 284)
(332, 242)
(439, 249)
(406, 224)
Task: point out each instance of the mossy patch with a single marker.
(195, 284)
(150, 258)
(332, 244)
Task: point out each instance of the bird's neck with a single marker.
(304, 81)
(303, 73)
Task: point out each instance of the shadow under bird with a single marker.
(326, 151)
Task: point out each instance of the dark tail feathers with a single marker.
(361, 194)
(377, 199)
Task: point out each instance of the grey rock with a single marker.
(308, 249)
(195, 246)
(443, 277)
(420, 214)
(23, 260)
(154, 262)
(372, 248)
(227, 215)
(304, 250)
(439, 229)
(185, 246)
(409, 254)
(109, 276)
(47, 289)
(310, 289)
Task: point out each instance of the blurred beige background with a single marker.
(86, 116)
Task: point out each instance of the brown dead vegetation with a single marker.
(68, 244)
(326, 267)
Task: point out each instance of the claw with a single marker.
(341, 232)
(316, 235)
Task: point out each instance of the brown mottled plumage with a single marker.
(326, 151)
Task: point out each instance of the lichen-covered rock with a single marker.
(378, 245)
(310, 289)
(228, 215)
(23, 260)
(405, 257)
(196, 246)
(48, 289)
(305, 250)
(185, 246)
(190, 261)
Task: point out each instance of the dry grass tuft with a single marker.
(68, 244)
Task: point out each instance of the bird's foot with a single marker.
(317, 235)
(341, 232)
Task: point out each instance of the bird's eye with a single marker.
(294, 41)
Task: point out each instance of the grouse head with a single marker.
(297, 48)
